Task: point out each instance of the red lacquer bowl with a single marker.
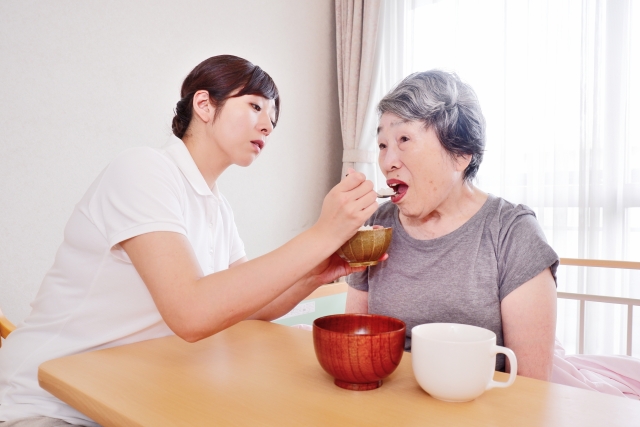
(359, 350)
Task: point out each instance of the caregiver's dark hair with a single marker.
(220, 76)
(442, 101)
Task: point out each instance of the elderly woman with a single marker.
(458, 254)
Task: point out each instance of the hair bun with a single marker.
(182, 116)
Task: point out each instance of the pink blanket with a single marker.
(617, 375)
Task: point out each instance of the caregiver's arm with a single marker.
(195, 306)
(529, 325)
(326, 272)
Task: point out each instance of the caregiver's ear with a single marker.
(202, 106)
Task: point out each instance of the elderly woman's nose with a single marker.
(389, 159)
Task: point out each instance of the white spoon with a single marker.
(385, 192)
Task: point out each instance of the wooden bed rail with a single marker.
(341, 287)
(630, 265)
(583, 298)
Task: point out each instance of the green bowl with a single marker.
(366, 247)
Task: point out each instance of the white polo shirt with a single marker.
(92, 297)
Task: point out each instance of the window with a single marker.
(558, 84)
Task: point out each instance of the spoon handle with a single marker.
(381, 196)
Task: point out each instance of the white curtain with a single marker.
(559, 84)
(356, 34)
(393, 61)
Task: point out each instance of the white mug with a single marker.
(454, 362)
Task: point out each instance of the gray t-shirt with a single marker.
(460, 277)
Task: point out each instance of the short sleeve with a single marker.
(138, 193)
(523, 252)
(236, 245)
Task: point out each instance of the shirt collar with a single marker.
(176, 149)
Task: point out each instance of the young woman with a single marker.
(152, 248)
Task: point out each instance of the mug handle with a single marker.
(514, 368)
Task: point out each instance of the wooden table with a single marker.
(262, 374)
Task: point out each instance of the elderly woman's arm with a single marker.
(357, 301)
(529, 325)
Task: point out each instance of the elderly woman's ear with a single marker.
(462, 161)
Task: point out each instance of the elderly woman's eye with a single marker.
(382, 146)
(404, 139)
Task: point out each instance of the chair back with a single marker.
(6, 327)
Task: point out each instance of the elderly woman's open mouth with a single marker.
(399, 187)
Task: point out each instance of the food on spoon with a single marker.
(365, 227)
(386, 191)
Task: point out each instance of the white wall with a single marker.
(82, 81)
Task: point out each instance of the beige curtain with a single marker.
(356, 34)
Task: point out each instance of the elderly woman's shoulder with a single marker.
(508, 213)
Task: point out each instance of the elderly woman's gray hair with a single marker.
(442, 101)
